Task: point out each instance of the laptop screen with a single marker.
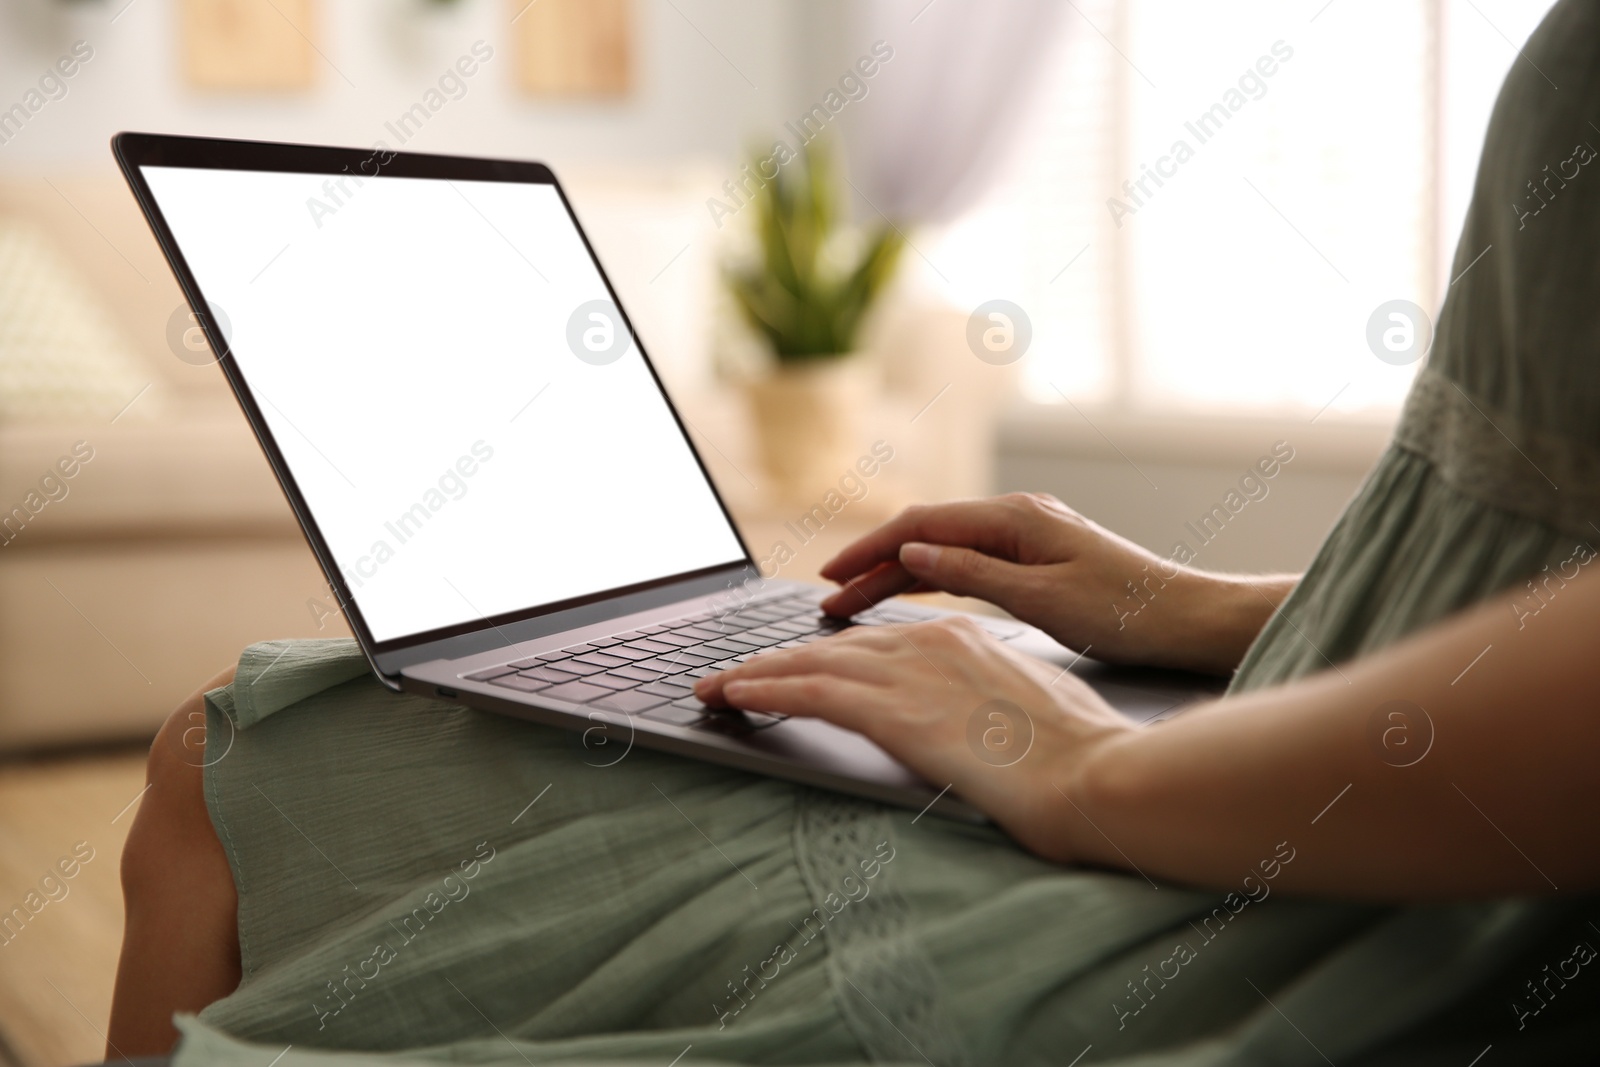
(464, 412)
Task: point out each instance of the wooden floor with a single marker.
(57, 966)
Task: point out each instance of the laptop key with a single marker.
(521, 683)
(578, 650)
(723, 722)
(632, 655)
(665, 666)
(678, 640)
(576, 666)
(675, 715)
(698, 633)
(534, 661)
(655, 648)
(732, 645)
(576, 692)
(601, 659)
(709, 651)
(737, 723)
(728, 624)
(763, 616)
(762, 642)
(548, 675)
(652, 629)
(671, 690)
(689, 659)
(631, 703)
(492, 672)
(637, 673)
(604, 642)
(612, 681)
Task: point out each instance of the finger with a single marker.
(859, 656)
(980, 524)
(966, 573)
(864, 590)
(841, 701)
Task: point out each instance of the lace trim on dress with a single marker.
(884, 983)
(1493, 458)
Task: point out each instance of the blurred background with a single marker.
(1116, 250)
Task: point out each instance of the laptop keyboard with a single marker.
(651, 671)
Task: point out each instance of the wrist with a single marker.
(1217, 617)
(1101, 787)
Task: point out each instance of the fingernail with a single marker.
(918, 556)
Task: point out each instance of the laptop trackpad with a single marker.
(819, 744)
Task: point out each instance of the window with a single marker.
(1288, 168)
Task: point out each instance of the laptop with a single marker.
(506, 504)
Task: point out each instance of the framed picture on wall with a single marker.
(573, 47)
(248, 45)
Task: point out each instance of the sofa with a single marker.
(131, 580)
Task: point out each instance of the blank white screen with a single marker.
(408, 351)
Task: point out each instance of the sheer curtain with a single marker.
(944, 116)
(951, 102)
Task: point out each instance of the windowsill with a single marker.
(1188, 439)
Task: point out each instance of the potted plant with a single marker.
(806, 293)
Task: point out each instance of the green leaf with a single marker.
(804, 307)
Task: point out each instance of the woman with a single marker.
(1380, 828)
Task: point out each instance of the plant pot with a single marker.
(809, 421)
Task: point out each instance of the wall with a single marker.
(1149, 479)
(710, 73)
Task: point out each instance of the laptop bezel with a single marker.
(388, 658)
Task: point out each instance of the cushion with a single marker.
(61, 355)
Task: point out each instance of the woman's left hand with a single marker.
(1007, 733)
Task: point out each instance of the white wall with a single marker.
(1147, 479)
(710, 74)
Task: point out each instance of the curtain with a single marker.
(946, 109)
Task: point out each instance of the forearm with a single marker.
(1493, 802)
(1213, 618)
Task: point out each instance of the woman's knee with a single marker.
(172, 828)
(180, 944)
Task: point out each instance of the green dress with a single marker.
(421, 882)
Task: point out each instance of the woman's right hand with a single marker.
(1047, 565)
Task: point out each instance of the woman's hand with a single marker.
(1005, 732)
(1051, 567)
